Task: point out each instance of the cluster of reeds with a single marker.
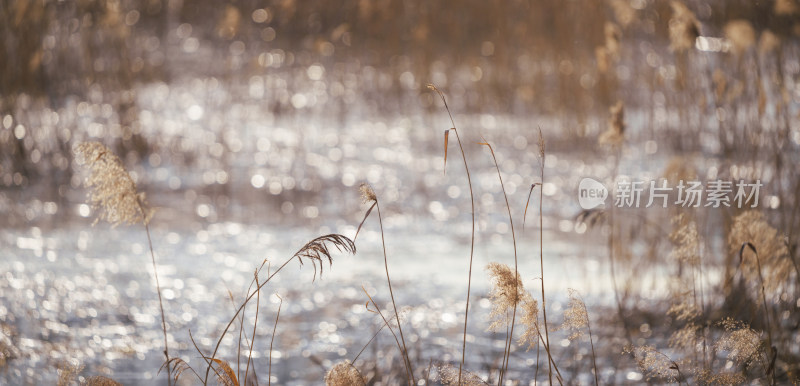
(693, 357)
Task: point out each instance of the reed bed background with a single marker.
(191, 193)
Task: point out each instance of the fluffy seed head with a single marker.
(448, 375)
(530, 319)
(653, 363)
(741, 35)
(752, 227)
(687, 241)
(742, 343)
(575, 316)
(113, 191)
(367, 193)
(507, 291)
(614, 134)
(683, 28)
(344, 374)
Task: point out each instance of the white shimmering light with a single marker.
(194, 112)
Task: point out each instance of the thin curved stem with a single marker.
(160, 301)
(472, 238)
(274, 329)
(391, 294)
(507, 352)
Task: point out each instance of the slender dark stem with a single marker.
(536, 373)
(591, 342)
(239, 310)
(550, 360)
(472, 238)
(255, 323)
(770, 348)
(541, 260)
(205, 358)
(368, 342)
(516, 296)
(386, 323)
(160, 301)
(391, 294)
(272, 340)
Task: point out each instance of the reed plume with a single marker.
(752, 227)
(741, 35)
(67, 372)
(530, 319)
(576, 318)
(507, 291)
(344, 374)
(683, 28)
(615, 133)
(99, 380)
(112, 190)
(654, 364)
(449, 375)
(742, 343)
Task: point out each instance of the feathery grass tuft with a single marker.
(99, 380)
(530, 319)
(449, 375)
(507, 291)
(344, 374)
(654, 364)
(742, 343)
(317, 249)
(113, 191)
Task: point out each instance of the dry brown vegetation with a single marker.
(730, 314)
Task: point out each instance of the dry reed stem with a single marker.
(255, 323)
(472, 237)
(771, 350)
(518, 285)
(314, 250)
(391, 292)
(542, 153)
(400, 346)
(272, 340)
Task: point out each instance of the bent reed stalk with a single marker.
(472, 238)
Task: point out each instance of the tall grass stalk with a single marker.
(255, 324)
(160, 301)
(510, 337)
(472, 238)
(772, 352)
(541, 256)
(368, 195)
